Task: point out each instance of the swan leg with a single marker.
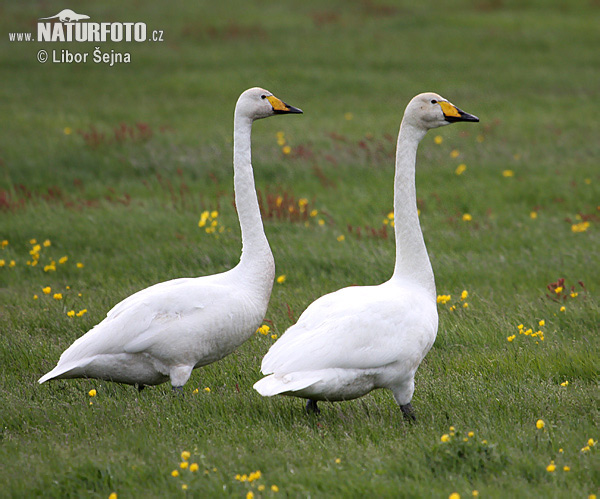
(408, 412)
(179, 376)
(178, 390)
(311, 407)
(140, 387)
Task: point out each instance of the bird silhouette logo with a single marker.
(67, 16)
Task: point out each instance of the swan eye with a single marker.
(263, 96)
(433, 101)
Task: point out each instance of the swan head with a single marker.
(430, 110)
(256, 103)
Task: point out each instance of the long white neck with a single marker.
(256, 260)
(412, 261)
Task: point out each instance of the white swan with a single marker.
(354, 340)
(165, 331)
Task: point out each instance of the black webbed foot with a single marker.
(408, 412)
(311, 407)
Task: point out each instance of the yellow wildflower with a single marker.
(574, 294)
(32, 241)
(539, 424)
(341, 238)
(79, 265)
(183, 465)
(338, 460)
(533, 215)
(207, 389)
(454, 495)
(443, 299)
(286, 149)
(348, 116)
(250, 495)
(57, 296)
(81, 312)
(438, 139)
(445, 438)
(471, 434)
(591, 442)
(184, 486)
(194, 467)
(580, 227)
(35, 297)
(467, 217)
(195, 391)
(63, 259)
(464, 294)
(12, 263)
(92, 392)
(185, 455)
(46, 243)
(454, 153)
(566, 468)
(314, 213)
(280, 141)
(475, 493)
(273, 336)
(551, 467)
(274, 488)
(465, 305)
(558, 289)
(508, 173)
(460, 169)
(71, 313)
(281, 279)
(563, 308)
(261, 487)
(4, 243)
(175, 473)
(512, 337)
(585, 449)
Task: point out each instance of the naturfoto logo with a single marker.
(69, 29)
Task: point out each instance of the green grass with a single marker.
(129, 210)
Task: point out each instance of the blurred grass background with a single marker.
(114, 165)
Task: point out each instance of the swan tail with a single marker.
(69, 370)
(286, 383)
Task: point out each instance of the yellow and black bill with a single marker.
(453, 114)
(280, 107)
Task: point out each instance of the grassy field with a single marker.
(114, 165)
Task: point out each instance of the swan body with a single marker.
(352, 341)
(165, 331)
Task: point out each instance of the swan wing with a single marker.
(356, 328)
(156, 320)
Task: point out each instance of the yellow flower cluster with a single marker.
(447, 437)
(537, 336)
(35, 253)
(460, 169)
(389, 219)
(208, 220)
(281, 142)
(443, 299)
(281, 279)
(580, 227)
(3, 244)
(590, 443)
(255, 475)
(186, 465)
(508, 173)
(266, 330)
